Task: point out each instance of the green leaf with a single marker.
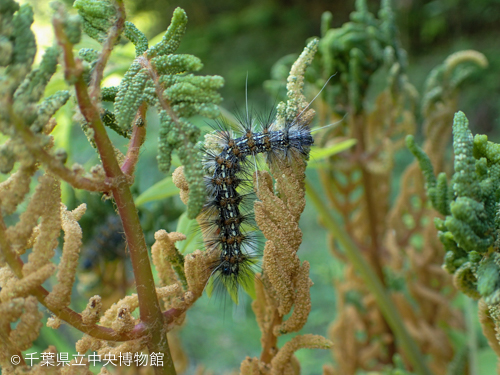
(318, 154)
(249, 286)
(161, 190)
(193, 233)
(210, 287)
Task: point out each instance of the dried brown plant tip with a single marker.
(11, 311)
(43, 204)
(278, 220)
(14, 189)
(88, 343)
(54, 322)
(172, 295)
(252, 366)
(50, 225)
(92, 312)
(131, 302)
(284, 363)
(195, 267)
(23, 287)
(285, 282)
(168, 261)
(180, 181)
(284, 356)
(13, 341)
(29, 325)
(124, 321)
(60, 296)
(302, 305)
(197, 272)
(489, 325)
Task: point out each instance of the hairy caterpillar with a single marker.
(225, 220)
(107, 244)
(104, 260)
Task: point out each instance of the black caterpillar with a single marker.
(225, 218)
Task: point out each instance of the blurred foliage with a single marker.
(386, 214)
(234, 39)
(238, 38)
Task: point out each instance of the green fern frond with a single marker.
(471, 228)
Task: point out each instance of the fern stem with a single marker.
(270, 340)
(136, 141)
(149, 306)
(56, 166)
(372, 282)
(113, 36)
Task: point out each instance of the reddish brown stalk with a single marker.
(150, 312)
(136, 141)
(55, 166)
(271, 341)
(113, 36)
(159, 90)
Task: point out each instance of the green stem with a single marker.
(372, 282)
(470, 323)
